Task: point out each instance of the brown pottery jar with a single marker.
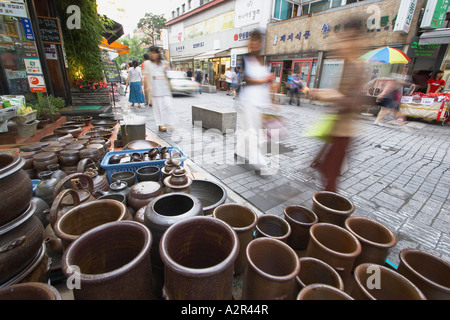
(42, 160)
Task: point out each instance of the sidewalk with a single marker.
(397, 176)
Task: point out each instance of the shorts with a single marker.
(234, 86)
(228, 85)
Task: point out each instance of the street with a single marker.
(398, 176)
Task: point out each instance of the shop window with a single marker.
(183, 8)
(189, 4)
(283, 9)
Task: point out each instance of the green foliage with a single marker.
(136, 51)
(48, 105)
(151, 25)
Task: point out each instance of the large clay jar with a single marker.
(85, 217)
(315, 271)
(199, 254)
(331, 207)
(161, 213)
(271, 272)
(20, 241)
(272, 226)
(142, 193)
(42, 160)
(375, 239)
(16, 189)
(334, 245)
(210, 194)
(428, 272)
(322, 292)
(68, 158)
(46, 186)
(112, 262)
(375, 282)
(243, 221)
(30, 291)
(300, 219)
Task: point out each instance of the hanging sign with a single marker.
(29, 35)
(405, 15)
(13, 9)
(434, 15)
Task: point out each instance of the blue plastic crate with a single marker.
(134, 166)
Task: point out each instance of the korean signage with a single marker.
(50, 30)
(34, 74)
(15, 9)
(434, 14)
(428, 50)
(405, 15)
(29, 35)
(247, 12)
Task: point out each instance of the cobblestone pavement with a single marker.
(398, 176)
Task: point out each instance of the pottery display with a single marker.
(57, 173)
(322, 292)
(75, 131)
(210, 194)
(16, 188)
(243, 221)
(375, 239)
(149, 173)
(30, 291)
(122, 267)
(199, 255)
(169, 165)
(41, 210)
(69, 158)
(388, 285)
(429, 273)
(86, 120)
(335, 246)
(104, 123)
(87, 216)
(141, 144)
(178, 181)
(53, 148)
(127, 176)
(60, 205)
(300, 219)
(271, 272)
(272, 226)
(142, 193)
(331, 207)
(42, 160)
(46, 186)
(28, 157)
(315, 271)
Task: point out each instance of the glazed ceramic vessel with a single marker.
(142, 193)
(331, 207)
(210, 193)
(428, 272)
(149, 173)
(243, 221)
(271, 272)
(272, 226)
(199, 255)
(375, 282)
(16, 189)
(178, 181)
(322, 292)
(128, 176)
(30, 291)
(42, 160)
(301, 220)
(57, 173)
(315, 271)
(69, 158)
(46, 186)
(60, 205)
(121, 269)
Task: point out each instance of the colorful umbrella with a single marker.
(386, 55)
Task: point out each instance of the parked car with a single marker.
(181, 84)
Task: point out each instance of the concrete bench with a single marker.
(209, 89)
(279, 98)
(214, 118)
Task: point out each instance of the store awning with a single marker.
(240, 50)
(114, 47)
(183, 58)
(209, 54)
(113, 32)
(438, 36)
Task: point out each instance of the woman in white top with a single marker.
(134, 81)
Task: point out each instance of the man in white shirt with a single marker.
(228, 80)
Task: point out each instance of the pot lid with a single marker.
(31, 147)
(69, 153)
(27, 155)
(146, 189)
(118, 185)
(44, 156)
(53, 149)
(96, 146)
(76, 146)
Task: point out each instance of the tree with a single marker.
(151, 25)
(136, 51)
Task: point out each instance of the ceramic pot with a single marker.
(272, 226)
(28, 157)
(120, 187)
(199, 255)
(57, 173)
(40, 212)
(335, 246)
(375, 282)
(331, 207)
(139, 215)
(90, 153)
(300, 219)
(32, 147)
(169, 165)
(322, 292)
(142, 193)
(75, 131)
(16, 189)
(178, 181)
(87, 216)
(428, 272)
(315, 271)
(53, 148)
(114, 196)
(86, 120)
(210, 194)
(46, 187)
(128, 176)
(20, 241)
(150, 173)
(60, 205)
(30, 291)
(68, 158)
(75, 147)
(271, 272)
(100, 181)
(375, 239)
(243, 221)
(42, 160)
(122, 267)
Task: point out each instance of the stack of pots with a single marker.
(22, 251)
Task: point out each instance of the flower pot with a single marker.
(375, 282)
(322, 292)
(315, 271)
(300, 219)
(243, 221)
(30, 291)
(273, 227)
(331, 207)
(210, 194)
(28, 129)
(121, 269)
(375, 239)
(427, 271)
(199, 254)
(271, 272)
(335, 246)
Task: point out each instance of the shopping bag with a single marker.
(274, 122)
(322, 128)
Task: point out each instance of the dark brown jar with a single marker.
(68, 158)
(142, 193)
(42, 160)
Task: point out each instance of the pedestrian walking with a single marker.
(146, 75)
(346, 99)
(239, 79)
(254, 96)
(296, 86)
(161, 94)
(228, 80)
(234, 83)
(199, 79)
(135, 81)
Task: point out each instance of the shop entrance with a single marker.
(220, 65)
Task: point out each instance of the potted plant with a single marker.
(48, 108)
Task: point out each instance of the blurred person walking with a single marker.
(228, 80)
(346, 101)
(199, 79)
(135, 81)
(146, 74)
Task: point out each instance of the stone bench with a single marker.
(209, 89)
(214, 118)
